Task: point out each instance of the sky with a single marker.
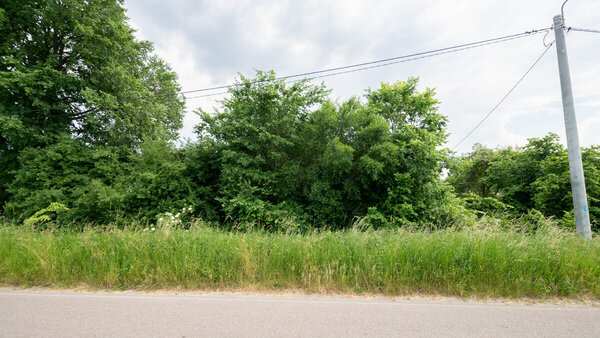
(208, 43)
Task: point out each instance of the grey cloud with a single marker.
(226, 37)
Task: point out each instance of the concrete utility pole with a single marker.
(582, 215)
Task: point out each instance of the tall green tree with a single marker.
(286, 152)
(72, 67)
(257, 138)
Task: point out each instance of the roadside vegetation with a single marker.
(489, 259)
(282, 187)
(94, 128)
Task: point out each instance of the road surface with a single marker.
(31, 313)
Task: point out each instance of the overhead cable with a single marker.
(504, 98)
(343, 69)
(387, 60)
(349, 70)
(583, 30)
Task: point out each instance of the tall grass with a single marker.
(480, 261)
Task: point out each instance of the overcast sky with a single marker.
(208, 42)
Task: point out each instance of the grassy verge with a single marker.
(473, 262)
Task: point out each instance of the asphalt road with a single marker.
(28, 313)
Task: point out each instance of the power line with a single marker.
(206, 95)
(461, 47)
(505, 96)
(583, 30)
(344, 69)
(424, 56)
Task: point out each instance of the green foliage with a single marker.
(257, 138)
(485, 205)
(513, 173)
(46, 215)
(376, 219)
(275, 157)
(67, 172)
(532, 220)
(88, 116)
(469, 174)
(531, 179)
(74, 68)
(101, 184)
(280, 156)
(160, 180)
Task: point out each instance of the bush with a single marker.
(46, 216)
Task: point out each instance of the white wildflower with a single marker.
(153, 229)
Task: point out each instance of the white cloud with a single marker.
(208, 42)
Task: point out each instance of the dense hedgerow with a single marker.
(273, 154)
(89, 120)
(514, 181)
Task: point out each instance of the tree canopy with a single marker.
(74, 68)
(89, 116)
(535, 176)
(273, 155)
(285, 152)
